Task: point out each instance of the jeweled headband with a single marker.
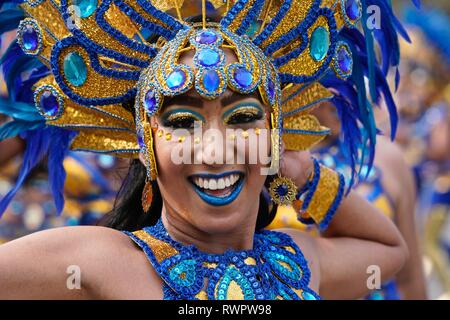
(87, 59)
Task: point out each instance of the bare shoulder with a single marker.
(307, 244)
(110, 264)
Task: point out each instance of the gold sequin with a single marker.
(296, 13)
(160, 133)
(325, 194)
(313, 134)
(244, 134)
(298, 97)
(162, 250)
(105, 141)
(168, 136)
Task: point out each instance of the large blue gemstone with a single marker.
(208, 57)
(206, 37)
(75, 69)
(211, 81)
(85, 7)
(319, 44)
(352, 9)
(282, 190)
(30, 39)
(308, 296)
(150, 102)
(243, 77)
(344, 60)
(140, 141)
(176, 79)
(49, 103)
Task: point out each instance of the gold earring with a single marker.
(282, 191)
(147, 196)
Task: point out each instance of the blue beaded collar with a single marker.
(274, 269)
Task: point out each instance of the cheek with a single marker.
(163, 153)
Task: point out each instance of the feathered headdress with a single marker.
(76, 63)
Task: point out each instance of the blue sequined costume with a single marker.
(274, 269)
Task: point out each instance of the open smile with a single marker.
(218, 189)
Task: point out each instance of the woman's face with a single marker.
(216, 187)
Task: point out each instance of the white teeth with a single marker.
(216, 184)
(212, 184)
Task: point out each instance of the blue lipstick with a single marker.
(217, 200)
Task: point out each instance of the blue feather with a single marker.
(20, 110)
(37, 143)
(56, 174)
(14, 128)
(10, 19)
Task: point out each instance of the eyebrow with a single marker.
(184, 100)
(234, 96)
(197, 102)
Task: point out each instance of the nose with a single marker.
(212, 146)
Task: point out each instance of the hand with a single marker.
(296, 165)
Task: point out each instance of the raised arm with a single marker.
(359, 240)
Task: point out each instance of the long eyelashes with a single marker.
(243, 113)
(181, 119)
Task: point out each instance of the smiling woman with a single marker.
(197, 227)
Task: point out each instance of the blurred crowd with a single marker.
(423, 99)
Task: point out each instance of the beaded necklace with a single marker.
(275, 269)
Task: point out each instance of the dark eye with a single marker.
(243, 118)
(180, 120)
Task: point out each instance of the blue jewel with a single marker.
(75, 69)
(243, 77)
(352, 9)
(176, 79)
(271, 89)
(282, 190)
(140, 141)
(344, 60)
(150, 102)
(30, 39)
(208, 57)
(320, 43)
(211, 81)
(49, 103)
(85, 7)
(308, 296)
(206, 37)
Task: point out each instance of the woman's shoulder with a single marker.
(112, 266)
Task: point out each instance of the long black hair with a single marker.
(128, 213)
